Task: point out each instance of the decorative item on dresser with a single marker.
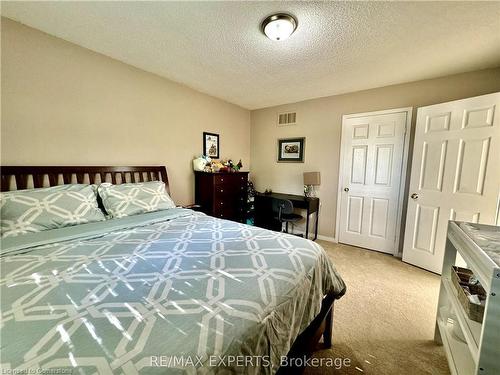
(222, 194)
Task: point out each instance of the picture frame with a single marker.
(211, 145)
(291, 150)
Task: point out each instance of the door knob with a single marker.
(414, 196)
(346, 189)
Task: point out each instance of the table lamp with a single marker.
(311, 179)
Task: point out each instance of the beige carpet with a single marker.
(385, 322)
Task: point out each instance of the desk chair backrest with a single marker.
(282, 206)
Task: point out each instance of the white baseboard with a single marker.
(326, 238)
(320, 237)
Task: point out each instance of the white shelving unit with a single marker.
(478, 351)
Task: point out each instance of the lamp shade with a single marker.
(312, 178)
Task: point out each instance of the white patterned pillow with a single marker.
(134, 198)
(36, 210)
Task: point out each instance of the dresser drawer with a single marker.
(224, 180)
(230, 179)
(231, 192)
(224, 189)
(225, 212)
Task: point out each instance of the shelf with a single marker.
(477, 260)
(457, 352)
(478, 352)
(470, 328)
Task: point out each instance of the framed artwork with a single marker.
(291, 150)
(211, 145)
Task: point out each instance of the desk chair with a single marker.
(283, 212)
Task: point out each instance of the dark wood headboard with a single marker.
(17, 178)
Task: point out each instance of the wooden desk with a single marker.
(264, 217)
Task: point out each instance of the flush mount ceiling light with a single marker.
(279, 26)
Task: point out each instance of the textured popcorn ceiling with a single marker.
(217, 47)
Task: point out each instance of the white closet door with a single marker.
(372, 154)
(455, 174)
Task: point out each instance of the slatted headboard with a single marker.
(17, 178)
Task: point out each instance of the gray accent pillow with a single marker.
(36, 210)
(134, 198)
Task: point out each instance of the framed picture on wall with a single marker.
(211, 145)
(291, 150)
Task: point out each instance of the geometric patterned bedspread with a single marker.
(185, 294)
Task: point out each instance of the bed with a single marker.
(165, 292)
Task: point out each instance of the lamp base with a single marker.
(309, 191)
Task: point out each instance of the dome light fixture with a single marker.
(279, 26)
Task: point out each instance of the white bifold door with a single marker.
(455, 174)
(372, 153)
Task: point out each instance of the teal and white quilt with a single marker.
(167, 292)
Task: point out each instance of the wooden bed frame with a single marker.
(35, 177)
(25, 177)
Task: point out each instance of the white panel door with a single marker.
(372, 159)
(455, 174)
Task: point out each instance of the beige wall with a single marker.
(319, 120)
(65, 105)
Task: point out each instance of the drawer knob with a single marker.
(222, 190)
(221, 203)
(221, 180)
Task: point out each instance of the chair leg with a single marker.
(286, 226)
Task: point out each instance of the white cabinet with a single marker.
(471, 347)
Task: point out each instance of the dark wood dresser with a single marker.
(222, 194)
